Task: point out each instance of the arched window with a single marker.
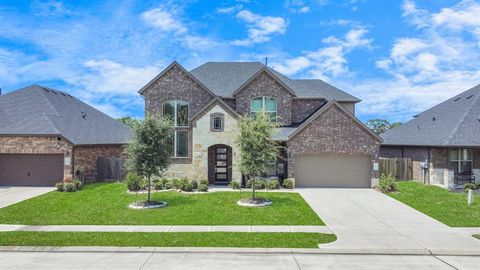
(268, 104)
(178, 110)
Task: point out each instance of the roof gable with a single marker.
(258, 74)
(211, 104)
(454, 122)
(322, 110)
(172, 65)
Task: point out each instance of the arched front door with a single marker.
(219, 164)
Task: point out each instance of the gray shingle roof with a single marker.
(455, 122)
(37, 110)
(223, 78)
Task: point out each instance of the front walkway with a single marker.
(367, 220)
(11, 195)
(123, 228)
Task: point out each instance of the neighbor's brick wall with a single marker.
(303, 108)
(333, 132)
(85, 157)
(38, 145)
(265, 85)
(417, 154)
(175, 85)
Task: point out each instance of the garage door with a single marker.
(30, 170)
(333, 171)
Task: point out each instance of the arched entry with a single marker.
(219, 164)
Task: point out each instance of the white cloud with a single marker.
(163, 19)
(293, 65)
(466, 14)
(106, 76)
(230, 9)
(296, 6)
(260, 28)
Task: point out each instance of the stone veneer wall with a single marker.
(203, 138)
(38, 145)
(175, 85)
(333, 132)
(85, 156)
(265, 85)
(302, 108)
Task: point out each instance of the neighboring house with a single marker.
(47, 136)
(445, 138)
(322, 144)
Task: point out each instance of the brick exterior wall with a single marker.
(231, 102)
(85, 157)
(303, 108)
(333, 132)
(38, 145)
(265, 85)
(175, 85)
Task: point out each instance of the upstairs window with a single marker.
(178, 111)
(268, 104)
(216, 122)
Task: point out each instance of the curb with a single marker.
(330, 251)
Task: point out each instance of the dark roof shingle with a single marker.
(37, 110)
(455, 122)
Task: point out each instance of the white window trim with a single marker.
(264, 107)
(459, 160)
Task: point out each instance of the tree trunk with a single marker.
(254, 184)
(149, 184)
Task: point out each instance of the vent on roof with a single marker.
(84, 115)
(54, 92)
(63, 94)
(45, 89)
(434, 119)
(457, 99)
(469, 97)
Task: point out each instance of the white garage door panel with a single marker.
(333, 171)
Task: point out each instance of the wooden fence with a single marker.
(400, 168)
(110, 169)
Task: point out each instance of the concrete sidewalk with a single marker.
(364, 219)
(122, 228)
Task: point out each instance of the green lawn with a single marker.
(208, 239)
(448, 207)
(476, 236)
(106, 204)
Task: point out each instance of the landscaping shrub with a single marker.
(234, 185)
(194, 184)
(203, 188)
(259, 183)
(469, 186)
(78, 184)
(187, 186)
(387, 183)
(204, 182)
(168, 184)
(289, 183)
(135, 182)
(70, 187)
(176, 184)
(60, 186)
(157, 184)
(272, 184)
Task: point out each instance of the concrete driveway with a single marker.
(12, 195)
(366, 220)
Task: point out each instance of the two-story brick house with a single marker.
(322, 144)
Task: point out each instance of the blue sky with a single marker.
(399, 57)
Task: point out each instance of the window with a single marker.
(461, 160)
(178, 111)
(216, 122)
(264, 103)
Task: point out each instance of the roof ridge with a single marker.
(459, 123)
(43, 94)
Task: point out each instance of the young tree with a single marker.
(129, 121)
(149, 152)
(378, 126)
(257, 148)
